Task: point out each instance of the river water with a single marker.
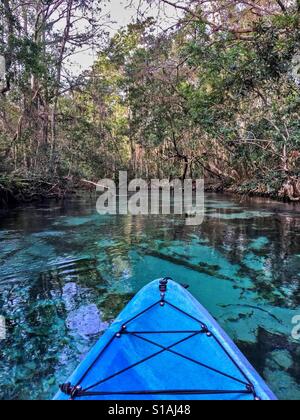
(66, 272)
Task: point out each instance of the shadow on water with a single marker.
(66, 272)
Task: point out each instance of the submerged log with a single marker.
(201, 267)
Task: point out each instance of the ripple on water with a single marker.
(242, 215)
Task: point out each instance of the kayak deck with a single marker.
(165, 346)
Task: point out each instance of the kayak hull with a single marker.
(165, 347)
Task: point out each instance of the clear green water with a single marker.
(66, 272)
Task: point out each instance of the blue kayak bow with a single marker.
(165, 345)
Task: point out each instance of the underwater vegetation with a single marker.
(66, 273)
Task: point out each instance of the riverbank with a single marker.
(286, 189)
(16, 190)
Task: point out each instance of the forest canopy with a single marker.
(215, 94)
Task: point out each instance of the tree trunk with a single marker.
(284, 159)
(58, 82)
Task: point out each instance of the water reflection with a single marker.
(67, 272)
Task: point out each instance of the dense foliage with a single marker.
(217, 94)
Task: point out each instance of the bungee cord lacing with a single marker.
(77, 391)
